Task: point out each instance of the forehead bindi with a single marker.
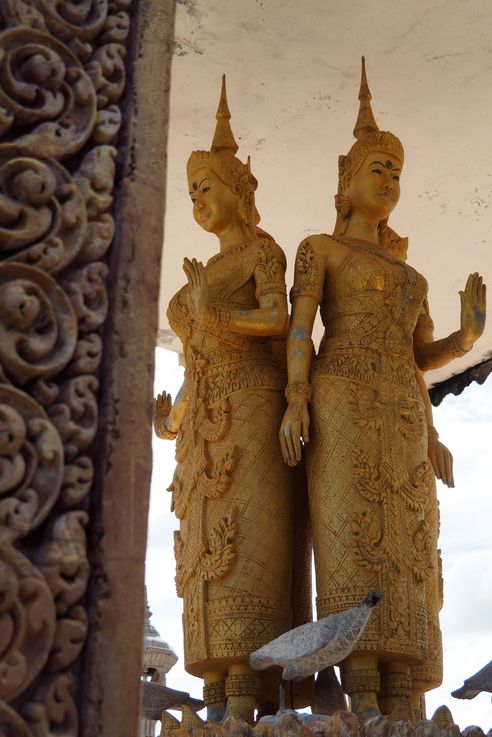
(385, 162)
(198, 182)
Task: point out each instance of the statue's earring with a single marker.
(242, 213)
(344, 208)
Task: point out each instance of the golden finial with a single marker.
(223, 137)
(365, 123)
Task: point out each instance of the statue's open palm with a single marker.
(198, 290)
(472, 310)
(162, 407)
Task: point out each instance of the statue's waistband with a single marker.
(229, 378)
(360, 363)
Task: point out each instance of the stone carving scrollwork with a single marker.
(12, 724)
(31, 464)
(62, 75)
(47, 92)
(27, 623)
(38, 329)
(42, 215)
(52, 710)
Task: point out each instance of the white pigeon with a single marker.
(311, 647)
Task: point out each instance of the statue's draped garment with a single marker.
(371, 487)
(231, 490)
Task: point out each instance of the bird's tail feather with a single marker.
(372, 598)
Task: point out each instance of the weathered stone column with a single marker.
(83, 123)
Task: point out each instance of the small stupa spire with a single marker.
(365, 123)
(223, 137)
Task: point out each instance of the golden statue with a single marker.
(232, 491)
(362, 410)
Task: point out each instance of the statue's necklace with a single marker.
(230, 252)
(367, 246)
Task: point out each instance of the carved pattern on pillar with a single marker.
(62, 77)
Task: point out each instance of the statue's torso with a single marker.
(225, 361)
(231, 489)
(370, 306)
(371, 490)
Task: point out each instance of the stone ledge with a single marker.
(340, 724)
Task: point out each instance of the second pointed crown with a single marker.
(366, 131)
(221, 158)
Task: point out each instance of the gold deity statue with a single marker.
(232, 491)
(363, 413)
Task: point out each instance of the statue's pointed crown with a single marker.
(222, 159)
(368, 138)
(365, 123)
(222, 155)
(366, 131)
(223, 139)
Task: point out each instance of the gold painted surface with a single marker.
(232, 492)
(361, 408)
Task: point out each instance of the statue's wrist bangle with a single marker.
(298, 390)
(456, 348)
(165, 433)
(221, 317)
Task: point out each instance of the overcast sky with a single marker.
(464, 424)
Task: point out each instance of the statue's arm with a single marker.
(306, 295)
(439, 456)
(430, 353)
(269, 319)
(295, 424)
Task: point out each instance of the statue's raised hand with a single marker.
(162, 408)
(472, 311)
(295, 426)
(198, 291)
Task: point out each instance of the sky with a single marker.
(464, 424)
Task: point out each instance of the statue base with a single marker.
(340, 724)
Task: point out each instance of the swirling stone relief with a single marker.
(38, 327)
(43, 221)
(95, 179)
(70, 20)
(52, 709)
(31, 464)
(47, 91)
(62, 75)
(11, 723)
(63, 560)
(27, 622)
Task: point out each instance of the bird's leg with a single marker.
(267, 693)
(281, 696)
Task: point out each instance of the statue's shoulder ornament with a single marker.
(269, 268)
(310, 267)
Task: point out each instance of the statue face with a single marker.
(215, 206)
(374, 189)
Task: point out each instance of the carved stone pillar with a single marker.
(83, 119)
